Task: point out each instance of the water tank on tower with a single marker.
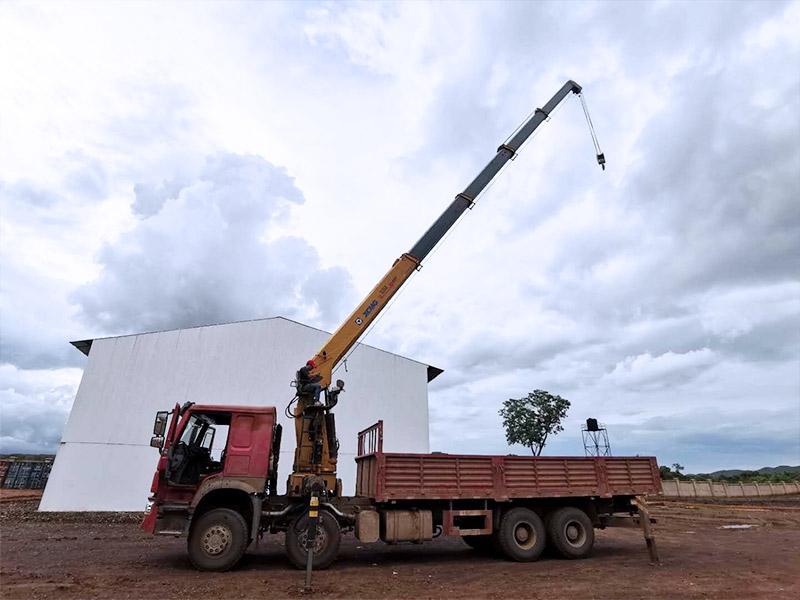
(595, 438)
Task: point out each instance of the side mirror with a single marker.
(160, 425)
(157, 441)
(340, 385)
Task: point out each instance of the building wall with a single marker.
(105, 462)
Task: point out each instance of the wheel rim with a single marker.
(525, 535)
(575, 534)
(319, 543)
(216, 539)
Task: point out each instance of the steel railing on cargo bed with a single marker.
(370, 441)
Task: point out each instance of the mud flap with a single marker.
(256, 524)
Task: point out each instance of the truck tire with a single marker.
(485, 544)
(521, 536)
(217, 540)
(327, 543)
(570, 532)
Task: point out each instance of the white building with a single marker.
(105, 462)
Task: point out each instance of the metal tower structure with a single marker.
(595, 438)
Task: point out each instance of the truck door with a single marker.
(190, 457)
(240, 445)
(249, 445)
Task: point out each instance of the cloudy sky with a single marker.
(165, 165)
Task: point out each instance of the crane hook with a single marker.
(601, 158)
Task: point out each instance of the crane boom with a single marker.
(357, 323)
(316, 453)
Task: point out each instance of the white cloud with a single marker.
(645, 371)
(199, 255)
(733, 313)
(777, 32)
(34, 406)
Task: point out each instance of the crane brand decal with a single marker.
(370, 308)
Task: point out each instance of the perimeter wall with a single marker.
(703, 488)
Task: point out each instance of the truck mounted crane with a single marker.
(508, 505)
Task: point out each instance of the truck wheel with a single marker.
(521, 535)
(486, 544)
(570, 532)
(217, 540)
(327, 544)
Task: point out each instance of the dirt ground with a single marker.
(56, 555)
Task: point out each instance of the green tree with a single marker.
(528, 421)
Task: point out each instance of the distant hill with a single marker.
(761, 471)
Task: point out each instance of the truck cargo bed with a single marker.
(392, 476)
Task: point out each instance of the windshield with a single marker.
(198, 432)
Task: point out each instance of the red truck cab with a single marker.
(211, 457)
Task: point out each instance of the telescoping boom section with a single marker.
(356, 324)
